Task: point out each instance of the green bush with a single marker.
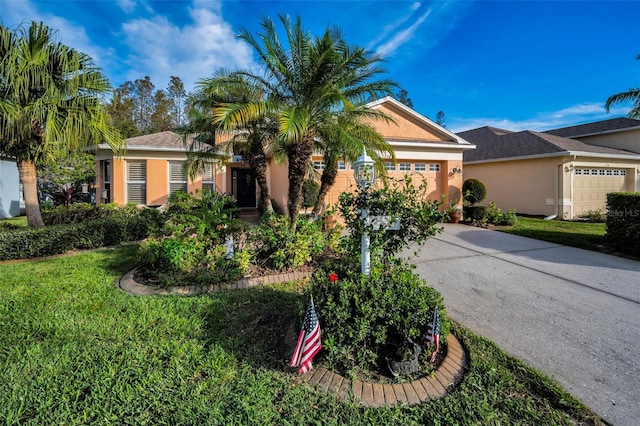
(57, 239)
(623, 223)
(474, 191)
(310, 192)
(594, 216)
(495, 216)
(398, 200)
(276, 247)
(366, 319)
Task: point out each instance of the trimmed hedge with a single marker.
(623, 222)
(57, 239)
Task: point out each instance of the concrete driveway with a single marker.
(571, 313)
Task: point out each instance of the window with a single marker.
(609, 172)
(106, 182)
(420, 167)
(389, 166)
(578, 172)
(601, 172)
(623, 172)
(209, 177)
(318, 165)
(342, 165)
(405, 167)
(616, 172)
(434, 167)
(137, 182)
(177, 177)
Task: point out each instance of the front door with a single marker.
(243, 186)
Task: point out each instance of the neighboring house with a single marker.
(9, 188)
(548, 173)
(150, 167)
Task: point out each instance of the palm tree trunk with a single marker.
(298, 154)
(28, 178)
(327, 180)
(258, 163)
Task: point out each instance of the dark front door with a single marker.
(244, 187)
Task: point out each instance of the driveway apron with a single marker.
(571, 313)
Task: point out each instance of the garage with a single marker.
(591, 186)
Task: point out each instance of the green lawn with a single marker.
(18, 221)
(584, 235)
(76, 350)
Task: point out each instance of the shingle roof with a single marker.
(604, 126)
(496, 144)
(166, 139)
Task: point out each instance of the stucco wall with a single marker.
(528, 186)
(9, 189)
(629, 140)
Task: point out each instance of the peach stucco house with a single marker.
(150, 167)
(563, 172)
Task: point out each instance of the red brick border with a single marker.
(448, 374)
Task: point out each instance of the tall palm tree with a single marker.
(307, 81)
(253, 139)
(49, 102)
(630, 95)
(352, 130)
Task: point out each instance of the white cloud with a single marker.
(14, 13)
(160, 48)
(401, 37)
(570, 116)
(127, 6)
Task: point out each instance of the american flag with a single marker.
(308, 342)
(433, 333)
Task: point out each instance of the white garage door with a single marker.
(592, 185)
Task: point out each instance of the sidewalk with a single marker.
(571, 313)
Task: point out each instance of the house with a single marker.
(10, 197)
(150, 168)
(565, 172)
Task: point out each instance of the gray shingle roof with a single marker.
(497, 144)
(156, 140)
(604, 126)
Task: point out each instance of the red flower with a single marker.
(333, 277)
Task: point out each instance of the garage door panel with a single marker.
(591, 187)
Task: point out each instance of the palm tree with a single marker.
(351, 132)
(216, 140)
(306, 83)
(49, 102)
(632, 95)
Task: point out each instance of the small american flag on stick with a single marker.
(433, 333)
(308, 342)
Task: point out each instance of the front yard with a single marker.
(77, 350)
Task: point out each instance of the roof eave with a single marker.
(556, 154)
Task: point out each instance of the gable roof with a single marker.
(494, 144)
(164, 140)
(449, 138)
(597, 127)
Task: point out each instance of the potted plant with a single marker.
(455, 213)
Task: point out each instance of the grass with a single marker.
(76, 350)
(584, 235)
(15, 221)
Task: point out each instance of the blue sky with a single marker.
(514, 64)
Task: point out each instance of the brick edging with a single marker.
(128, 284)
(448, 374)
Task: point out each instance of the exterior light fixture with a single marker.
(85, 188)
(456, 170)
(364, 172)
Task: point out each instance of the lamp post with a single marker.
(365, 176)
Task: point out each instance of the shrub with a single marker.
(366, 319)
(594, 216)
(398, 200)
(83, 212)
(310, 192)
(474, 191)
(623, 224)
(495, 216)
(37, 242)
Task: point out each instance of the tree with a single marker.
(177, 96)
(143, 104)
(352, 131)
(632, 95)
(403, 96)
(306, 82)
(120, 110)
(49, 101)
(253, 138)
(160, 117)
(62, 176)
(440, 119)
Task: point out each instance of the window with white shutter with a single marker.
(137, 182)
(177, 177)
(209, 177)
